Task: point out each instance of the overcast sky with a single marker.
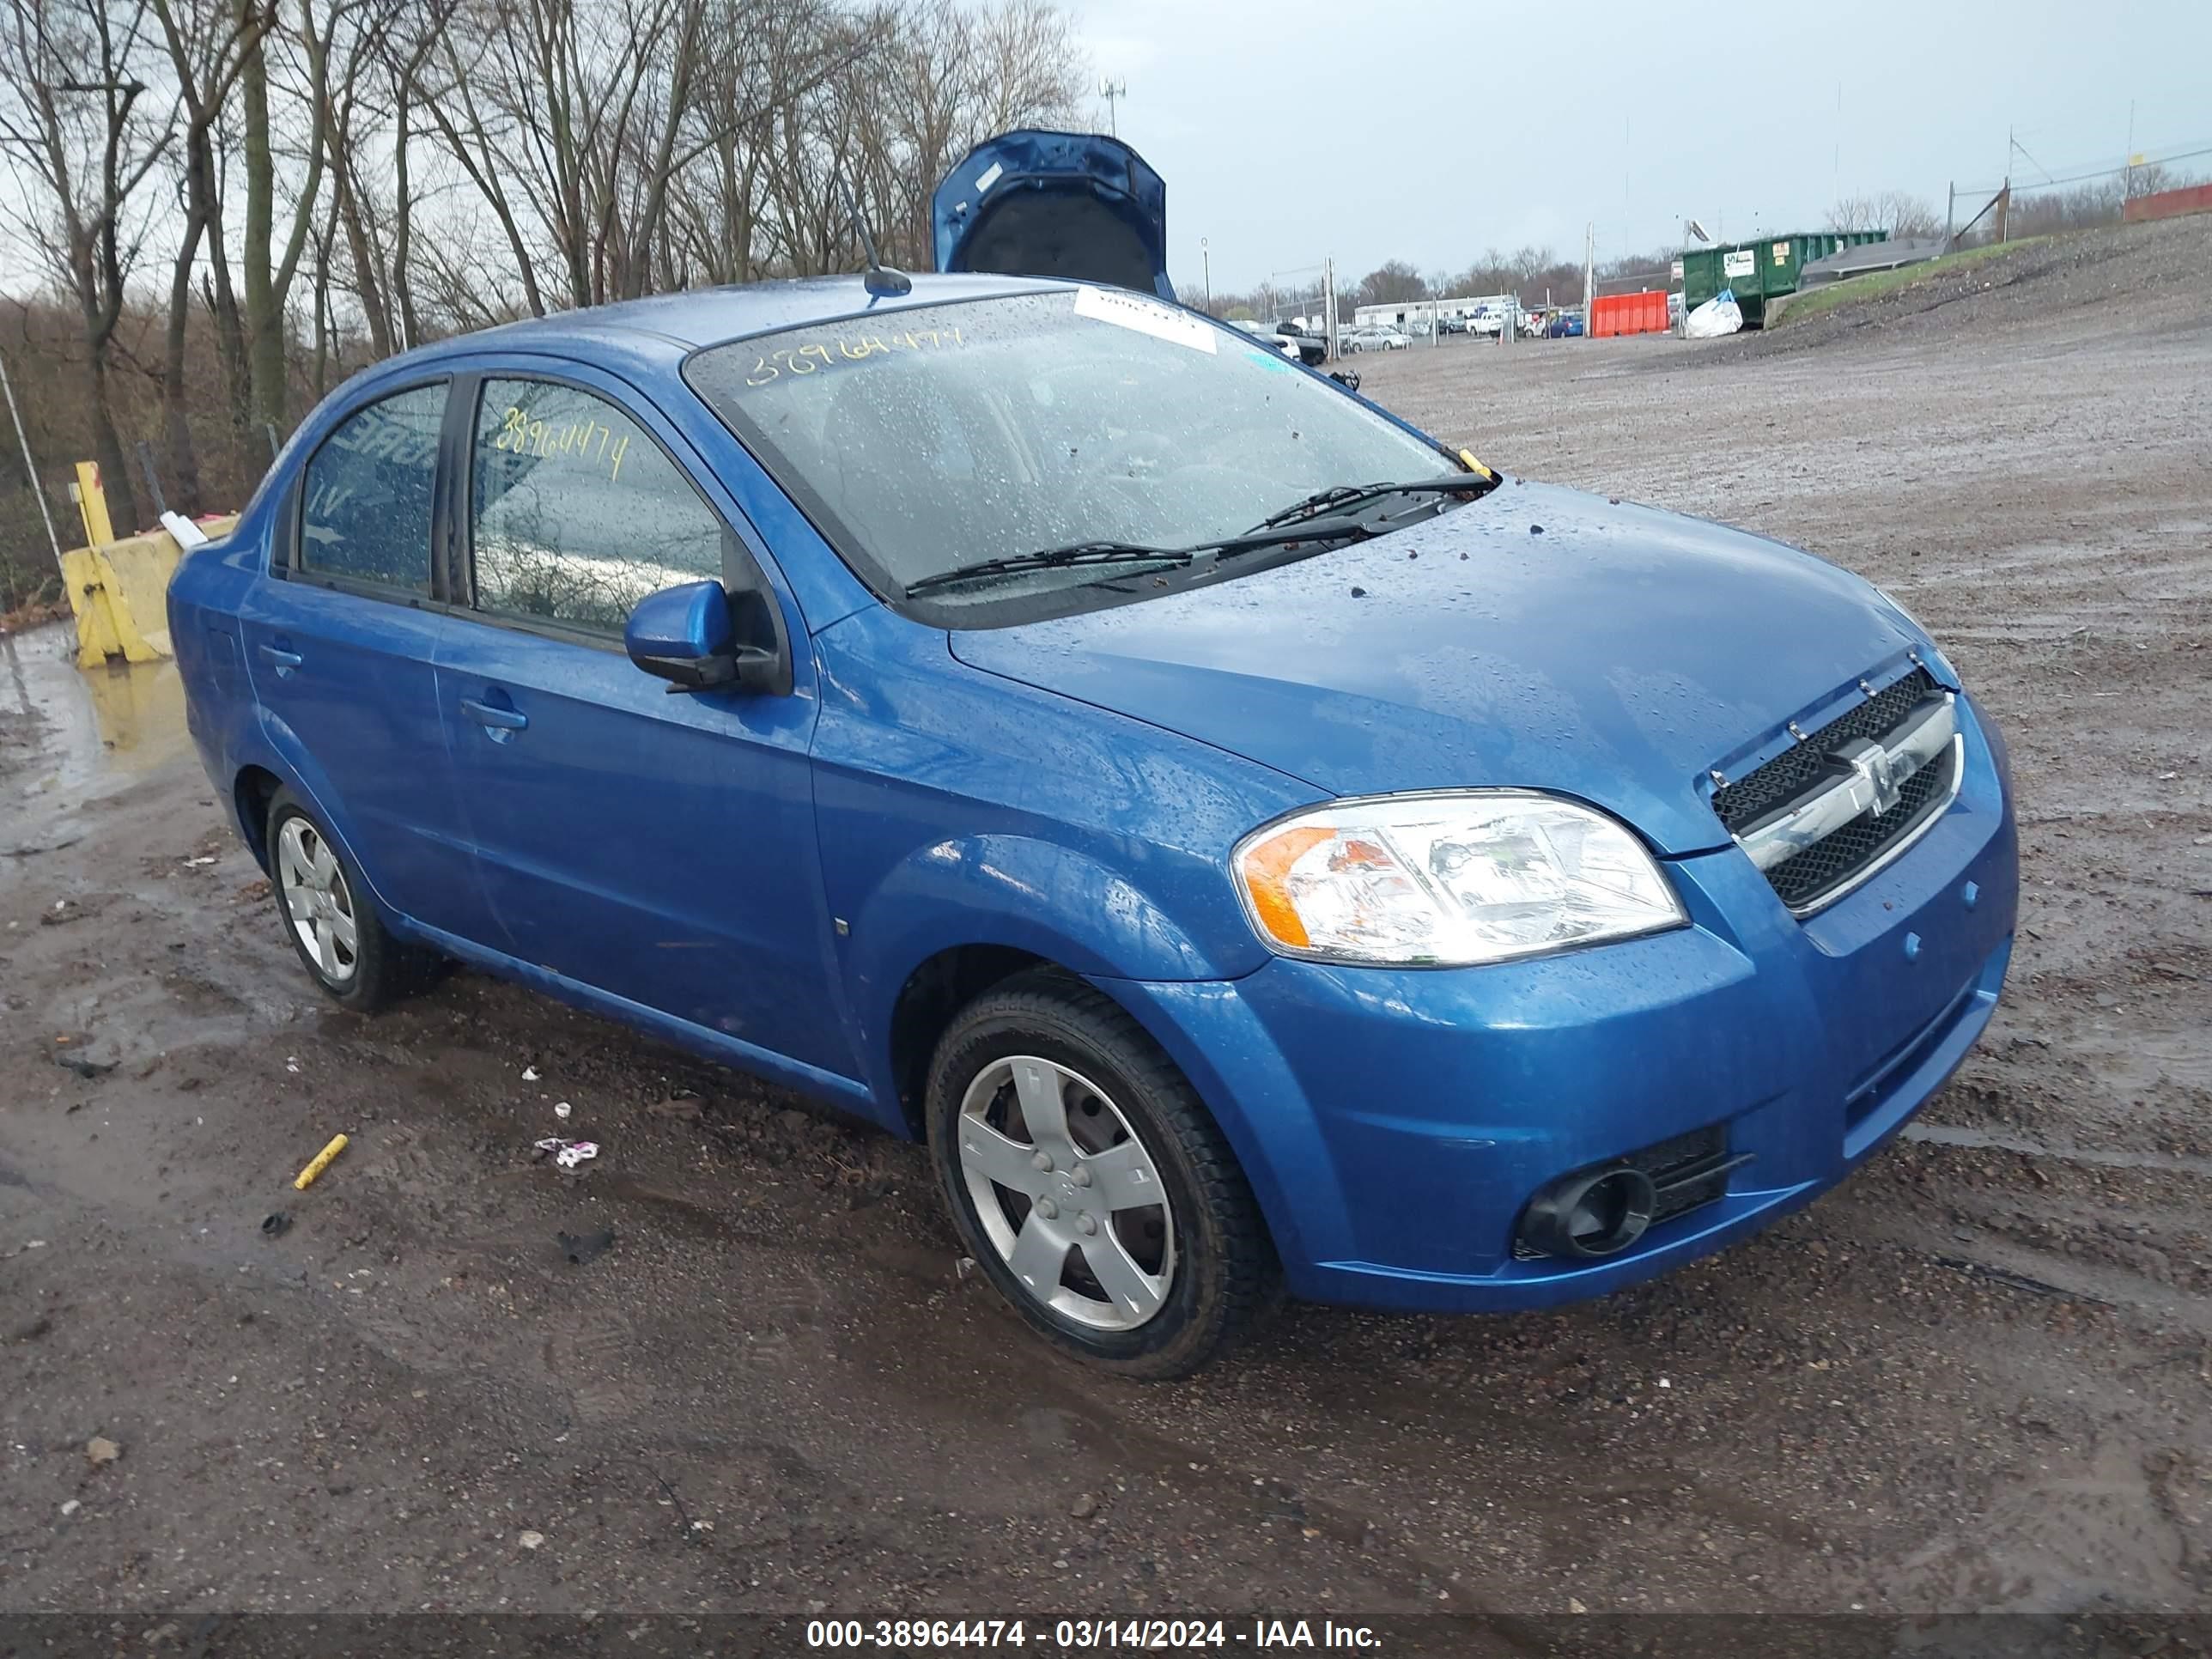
(1429, 131)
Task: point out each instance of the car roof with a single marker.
(706, 317)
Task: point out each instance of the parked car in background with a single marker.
(1487, 321)
(1309, 347)
(1564, 325)
(1375, 339)
(1032, 788)
(1293, 343)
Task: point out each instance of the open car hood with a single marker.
(1067, 204)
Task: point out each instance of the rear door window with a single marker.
(366, 506)
(575, 513)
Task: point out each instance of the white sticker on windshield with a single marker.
(990, 176)
(1146, 316)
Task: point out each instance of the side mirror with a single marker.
(688, 636)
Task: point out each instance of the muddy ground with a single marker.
(1973, 1378)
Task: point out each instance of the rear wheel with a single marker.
(1090, 1184)
(332, 927)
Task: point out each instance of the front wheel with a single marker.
(1087, 1179)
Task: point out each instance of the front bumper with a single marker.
(1395, 1122)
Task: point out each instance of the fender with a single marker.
(1270, 1123)
(1056, 902)
(1016, 891)
(940, 829)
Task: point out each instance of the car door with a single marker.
(339, 641)
(659, 847)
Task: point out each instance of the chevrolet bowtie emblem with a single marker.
(1873, 779)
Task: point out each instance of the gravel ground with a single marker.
(1974, 1378)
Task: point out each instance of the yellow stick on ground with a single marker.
(322, 1162)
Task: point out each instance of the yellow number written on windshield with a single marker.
(817, 355)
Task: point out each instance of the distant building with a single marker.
(1403, 313)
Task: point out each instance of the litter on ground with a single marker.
(567, 1154)
(320, 1162)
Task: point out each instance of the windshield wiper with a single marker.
(1105, 553)
(1345, 495)
(1053, 558)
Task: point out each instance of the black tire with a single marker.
(377, 970)
(1226, 1272)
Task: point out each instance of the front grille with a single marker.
(1757, 793)
(1802, 880)
(1799, 880)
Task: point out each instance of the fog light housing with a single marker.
(1590, 1214)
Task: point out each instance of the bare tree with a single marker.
(346, 31)
(1898, 212)
(355, 76)
(350, 177)
(407, 54)
(587, 103)
(208, 41)
(88, 132)
(1390, 283)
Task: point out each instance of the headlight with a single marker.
(1448, 879)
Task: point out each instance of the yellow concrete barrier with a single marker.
(120, 595)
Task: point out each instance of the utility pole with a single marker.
(1590, 274)
(1113, 92)
(1205, 261)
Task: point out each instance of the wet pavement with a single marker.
(1975, 1377)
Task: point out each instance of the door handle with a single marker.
(284, 662)
(499, 722)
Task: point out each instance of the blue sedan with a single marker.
(1256, 846)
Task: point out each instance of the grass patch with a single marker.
(1818, 302)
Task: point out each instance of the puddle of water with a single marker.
(138, 712)
(90, 731)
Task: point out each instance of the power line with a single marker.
(2032, 162)
(2104, 172)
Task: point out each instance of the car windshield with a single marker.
(924, 440)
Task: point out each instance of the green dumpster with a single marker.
(1756, 272)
